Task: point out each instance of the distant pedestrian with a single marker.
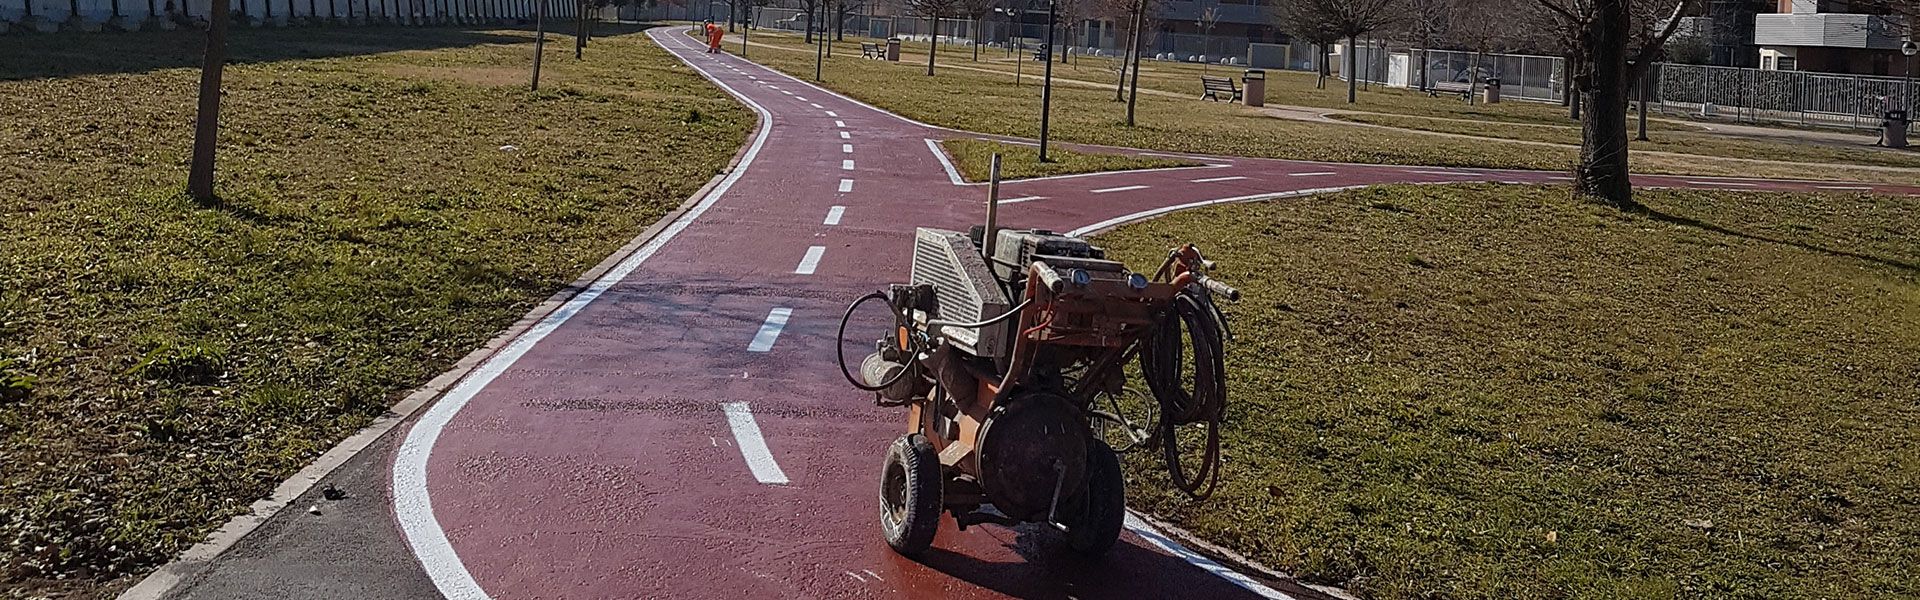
(714, 32)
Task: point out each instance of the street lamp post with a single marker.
(1046, 85)
(1906, 90)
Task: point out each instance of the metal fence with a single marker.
(1522, 77)
(1756, 96)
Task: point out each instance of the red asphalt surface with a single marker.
(600, 464)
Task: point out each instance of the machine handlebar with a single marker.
(1220, 289)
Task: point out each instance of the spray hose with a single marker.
(1191, 326)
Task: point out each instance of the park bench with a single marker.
(1216, 87)
(1461, 88)
(1041, 54)
(872, 50)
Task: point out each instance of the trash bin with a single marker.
(1493, 90)
(893, 49)
(1894, 129)
(1255, 93)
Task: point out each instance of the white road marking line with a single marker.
(786, 92)
(1453, 173)
(1124, 188)
(846, 148)
(834, 214)
(804, 99)
(753, 446)
(1217, 179)
(856, 577)
(846, 165)
(1185, 156)
(1559, 178)
(1725, 183)
(872, 574)
(815, 105)
(770, 330)
(1146, 532)
(953, 174)
(846, 136)
(752, 77)
(1145, 214)
(1022, 199)
(840, 124)
(412, 505)
(1313, 174)
(846, 185)
(810, 262)
(1856, 188)
(832, 114)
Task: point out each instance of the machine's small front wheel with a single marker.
(910, 497)
(1103, 510)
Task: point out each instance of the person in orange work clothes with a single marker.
(714, 32)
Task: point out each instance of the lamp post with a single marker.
(1906, 89)
(819, 39)
(1046, 85)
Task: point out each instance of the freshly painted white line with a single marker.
(770, 330)
(834, 214)
(1147, 532)
(753, 446)
(1217, 179)
(811, 261)
(846, 136)
(1185, 156)
(1313, 174)
(752, 77)
(833, 114)
(786, 92)
(1022, 199)
(1145, 214)
(1856, 188)
(804, 99)
(872, 574)
(953, 174)
(846, 185)
(412, 505)
(1725, 183)
(840, 124)
(846, 165)
(846, 148)
(1453, 173)
(1108, 173)
(1124, 188)
(815, 105)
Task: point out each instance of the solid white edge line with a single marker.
(846, 185)
(1313, 174)
(769, 333)
(412, 504)
(1722, 183)
(1856, 188)
(753, 445)
(953, 174)
(1106, 173)
(810, 262)
(1124, 188)
(834, 214)
(1152, 536)
(1150, 213)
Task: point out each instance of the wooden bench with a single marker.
(1460, 88)
(872, 50)
(1216, 87)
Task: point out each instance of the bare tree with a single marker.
(207, 125)
(1324, 21)
(1146, 25)
(978, 11)
(1209, 17)
(933, 11)
(1611, 42)
(842, 10)
(1427, 23)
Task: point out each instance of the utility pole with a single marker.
(1046, 85)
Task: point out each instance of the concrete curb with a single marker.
(194, 561)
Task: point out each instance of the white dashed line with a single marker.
(1725, 183)
(834, 214)
(1022, 199)
(1217, 179)
(804, 99)
(1453, 173)
(770, 330)
(846, 165)
(811, 261)
(1124, 188)
(815, 105)
(1313, 174)
(840, 124)
(846, 148)
(846, 185)
(832, 114)
(786, 92)
(753, 446)
(846, 136)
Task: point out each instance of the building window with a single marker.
(1787, 63)
(1766, 63)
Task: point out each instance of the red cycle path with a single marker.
(600, 463)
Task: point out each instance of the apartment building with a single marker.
(1831, 36)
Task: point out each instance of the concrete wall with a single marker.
(109, 15)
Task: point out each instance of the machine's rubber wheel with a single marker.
(1104, 508)
(910, 497)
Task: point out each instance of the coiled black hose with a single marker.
(1191, 325)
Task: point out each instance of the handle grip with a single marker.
(1220, 289)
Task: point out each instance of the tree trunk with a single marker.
(1134, 96)
(933, 45)
(1326, 66)
(1353, 83)
(579, 29)
(539, 39)
(1603, 170)
(207, 124)
(1126, 58)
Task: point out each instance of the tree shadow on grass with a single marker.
(1657, 215)
(74, 54)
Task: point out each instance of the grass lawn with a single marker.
(962, 96)
(1671, 141)
(974, 159)
(1497, 392)
(164, 362)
